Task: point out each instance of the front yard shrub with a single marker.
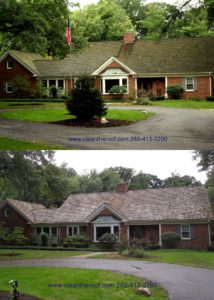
(134, 252)
(210, 98)
(44, 239)
(21, 86)
(53, 92)
(86, 102)
(170, 239)
(108, 240)
(16, 237)
(117, 91)
(175, 91)
(123, 244)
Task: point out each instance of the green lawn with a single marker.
(39, 281)
(28, 105)
(52, 115)
(185, 104)
(193, 258)
(28, 254)
(11, 144)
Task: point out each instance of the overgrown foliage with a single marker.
(175, 91)
(170, 239)
(86, 101)
(16, 237)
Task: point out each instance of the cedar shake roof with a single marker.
(25, 208)
(27, 59)
(183, 203)
(144, 57)
(152, 205)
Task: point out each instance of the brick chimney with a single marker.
(122, 187)
(129, 37)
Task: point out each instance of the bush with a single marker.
(86, 102)
(16, 237)
(175, 91)
(158, 98)
(144, 102)
(53, 92)
(134, 252)
(170, 239)
(21, 86)
(108, 238)
(117, 91)
(211, 247)
(210, 98)
(123, 244)
(44, 239)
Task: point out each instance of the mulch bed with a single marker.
(10, 254)
(9, 296)
(93, 123)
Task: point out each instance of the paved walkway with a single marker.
(183, 129)
(182, 283)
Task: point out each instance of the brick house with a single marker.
(144, 214)
(138, 65)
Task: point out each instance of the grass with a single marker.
(28, 105)
(53, 115)
(39, 282)
(6, 143)
(204, 259)
(38, 254)
(185, 104)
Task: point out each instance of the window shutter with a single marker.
(183, 83)
(195, 83)
(192, 232)
(178, 230)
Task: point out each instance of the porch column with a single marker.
(209, 233)
(94, 236)
(166, 85)
(160, 233)
(128, 234)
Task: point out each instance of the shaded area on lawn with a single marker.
(8, 296)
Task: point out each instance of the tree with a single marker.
(125, 174)
(16, 237)
(206, 159)
(176, 180)
(145, 181)
(105, 20)
(21, 86)
(109, 180)
(90, 183)
(86, 102)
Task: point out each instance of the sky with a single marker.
(160, 163)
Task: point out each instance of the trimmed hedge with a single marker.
(61, 100)
(210, 98)
(60, 248)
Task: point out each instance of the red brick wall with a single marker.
(16, 220)
(203, 87)
(7, 75)
(201, 236)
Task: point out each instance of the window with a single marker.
(110, 83)
(44, 83)
(60, 84)
(185, 232)
(6, 212)
(9, 65)
(101, 229)
(52, 82)
(38, 230)
(46, 230)
(189, 84)
(72, 230)
(9, 87)
(54, 230)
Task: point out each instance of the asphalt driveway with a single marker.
(182, 283)
(170, 128)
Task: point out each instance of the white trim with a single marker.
(7, 65)
(108, 62)
(209, 233)
(8, 92)
(166, 86)
(119, 77)
(210, 80)
(111, 225)
(72, 226)
(186, 83)
(50, 229)
(185, 238)
(99, 209)
(160, 235)
(6, 212)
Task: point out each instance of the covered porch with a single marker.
(149, 233)
(151, 85)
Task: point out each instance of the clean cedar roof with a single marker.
(25, 208)
(27, 59)
(162, 56)
(185, 203)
